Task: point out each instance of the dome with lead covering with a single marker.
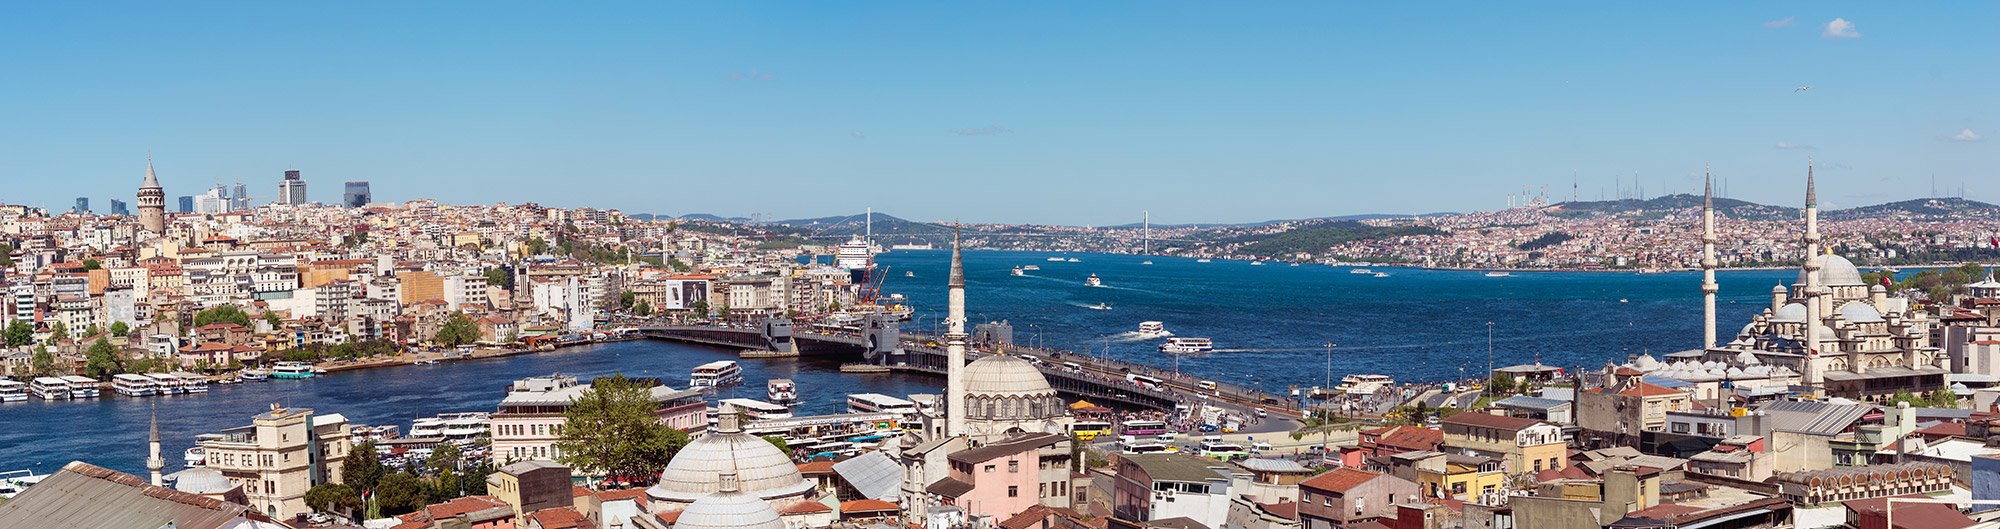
(1790, 313)
(1858, 312)
(728, 509)
(1834, 270)
(1001, 375)
(762, 470)
(201, 480)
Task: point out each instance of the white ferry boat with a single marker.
(879, 403)
(1362, 384)
(1093, 281)
(1498, 274)
(12, 483)
(1031, 268)
(1256, 263)
(1017, 271)
(11, 391)
(49, 388)
(1146, 263)
(194, 457)
(1153, 329)
(781, 390)
(1381, 274)
(253, 375)
(1187, 345)
(192, 382)
(133, 385)
(1075, 260)
(165, 384)
(715, 374)
(754, 409)
(1055, 259)
(291, 370)
(1204, 260)
(1360, 271)
(452, 426)
(81, 387)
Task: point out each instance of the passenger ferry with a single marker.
(11, 391)
(1203, 260)
(81, 387)
(1499, 274)
(1055, 259)
(1146, 263)
(49, 388)
(754, 409)
(1187, 345)
(1031, 268)
(291, 370)
(192, 382)
(1380, 274)
(879, 403)
(462, 426)
(1074, 260)
(253, 375)
(1256, 263)
(133, 385)
(1360, 271)
(1017, 271)
(1362, 384)
(715, 374)
(1093, 281)
(165, 384)
(1153, 329)
(781, 390)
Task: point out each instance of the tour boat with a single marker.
(192, 382)
(11, 391)
(133, 385)
(165, 384)
(1093, 281)
(1153, 329)
(452, 426)
(1075, 260)
(1055, 259)
(291, 370)
(12, 483)
(715, 374)
(781, 390)
(1295, 264)
(1380, 274)
(194, 457)
(1362, 384)
(1031, 268)
(1362, 271)
(909, 274)
(1018, 272)
(1187, 345)
(1498, 274)
(753, 409)
(1147, 262)
(49, 388)
(1256, 263)
(253, 375)
(1204, 260)
(81, 387)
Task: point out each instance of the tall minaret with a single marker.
(1708, 287)
(152, 202)
(955, 345)
(1814, 376)
(155, 463)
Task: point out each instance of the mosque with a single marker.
(1828, 334)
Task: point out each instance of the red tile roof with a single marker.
(1648, 390)
(1339, 479)
(559, 518)
(804, 507)
(868, 506)
(615, 495)
(1488, 420)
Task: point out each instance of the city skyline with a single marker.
(1086, 118)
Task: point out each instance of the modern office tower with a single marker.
(186, 203)
(292, 190)
(357, 195)
(82, 206)
(241, 200)
(118, 208)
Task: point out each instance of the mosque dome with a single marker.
(1005, 376)
(1834, 270)
(1646, 363)
(1858, 312)
(1747, 358)
(729, 509)
(1779, 289)
(762, 470)
(201, 480)
(1734, 372)
(1790, 313)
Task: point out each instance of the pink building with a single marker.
(1000, 479)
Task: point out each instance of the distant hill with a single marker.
(1680, 201)
(1365, 216)
(690, 216)
(1317, 238)
(857, 224)
(1951, 207)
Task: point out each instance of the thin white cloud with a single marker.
(1790, 145)
(1787, 21)
(983, 131)
(858, 135)
(1840, 28)
(1966, 135)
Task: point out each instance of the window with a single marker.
(1538, 465)
(1360, 505)
(1013, 466)
(1044, 493)
(989, 469)
(1013, 491)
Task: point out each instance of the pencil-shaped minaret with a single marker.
(955, 345)
(1814, 376)
(1708, 287)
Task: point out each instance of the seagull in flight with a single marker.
(1802, 89)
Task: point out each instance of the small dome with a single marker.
(1858, 312)
(1712, 365)
(1777, 289)
(763, 470)
(1877, 288)
(1959, 386)
(1001, 375)
(201, 480)
(1834, 270)
(729, 509)
(1646, 363)
(1747, 358)
(1734, 372)
(1790, 313)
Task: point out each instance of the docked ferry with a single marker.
(11, 391)
(452, 426)
(49, 388)
(753, 409)
(879, 403)
(192, 383)
(715, 374)
(194, 457)
(292, 370)
(166, 384)
(133, 385)
(1362, 384)
(781, 390)
(1187, 345)
(81, 387)
(253, 375)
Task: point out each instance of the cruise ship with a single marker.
(781, 391)
(11, 391)
(857, 257)
(715, 374)
(1187, 345)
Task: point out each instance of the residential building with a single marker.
(1345, 497)
(526, 426)
(279, 456)
(1153, 487)
(1525, 445)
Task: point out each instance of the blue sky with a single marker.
(1072, 112)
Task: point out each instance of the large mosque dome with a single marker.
(761, 469)
(1834, 270)
(1005, 376)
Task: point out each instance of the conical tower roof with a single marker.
(152, 180)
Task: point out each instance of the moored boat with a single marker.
(82, 387)
(291, 370)
(715, 374)
(12, 391)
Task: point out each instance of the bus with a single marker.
(1087, 430)
(1144, 381)
(1143, 428)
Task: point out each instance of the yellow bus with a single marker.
(1087, 430)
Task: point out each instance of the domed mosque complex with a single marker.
(999, 411)
(1828, 334)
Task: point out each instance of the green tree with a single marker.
(58, 332)
(92, 264)
(272, 319)
(1503, 383)
(1942, 398)
(474, 483)
(102, 360)
(43, 362)
(120, 329)
(625, 299)
(224, 313)
(443, 458)
(92, 330)
(642, 308)
(363, 468)
(610, 430)
(458, 331)
(6, 255)
(1904, 395)
(19, 333)
(700, 308)
(500, 278)
(333, 497)
(779, 442)
(399, 493)
(534, 246)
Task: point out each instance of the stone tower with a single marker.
(152, 202)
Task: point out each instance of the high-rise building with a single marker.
(82, 206)
(357, 195)
(153, 202)
(186, 205)
(241, 199)
(118, 208)
(216, 200)
(292, 190)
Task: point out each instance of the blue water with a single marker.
(1269, 323)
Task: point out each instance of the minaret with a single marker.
(155, 463)
(1813, 374)
(152, 202)
(955, 345)
(1708, 287)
